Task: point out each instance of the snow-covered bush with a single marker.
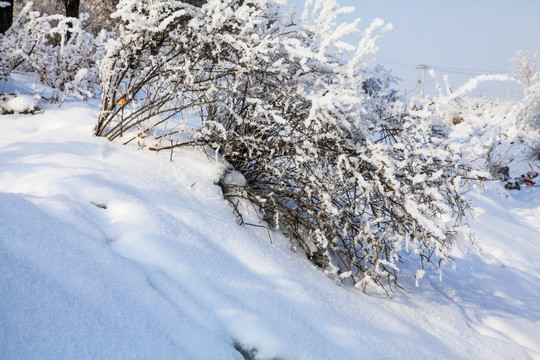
(70, 67)
(327, 152)
(99, 12)
(18, 43)
(40, 43)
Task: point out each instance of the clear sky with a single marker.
(460, 38)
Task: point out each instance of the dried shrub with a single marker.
(457, 118)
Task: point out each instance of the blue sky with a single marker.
(460, 38)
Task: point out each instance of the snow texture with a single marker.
(107, 251)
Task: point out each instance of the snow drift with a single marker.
(107, 251)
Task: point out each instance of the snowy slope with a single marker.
(109, 252)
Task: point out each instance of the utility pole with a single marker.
(423, 67)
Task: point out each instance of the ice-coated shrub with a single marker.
(327, 151)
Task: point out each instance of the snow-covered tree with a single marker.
(524, 67)
(327, 151)
(525, 71)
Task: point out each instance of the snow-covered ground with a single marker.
(114, 252)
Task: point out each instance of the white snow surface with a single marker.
(114, 252)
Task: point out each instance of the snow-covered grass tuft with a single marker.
(18, 104)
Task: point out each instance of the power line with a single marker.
(454, 69)
(449, 69)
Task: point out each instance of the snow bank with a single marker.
(67, 295)
(107, 251)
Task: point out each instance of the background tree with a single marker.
(524, 67)
(100, 14)
(524, 70)
(99, 11)
(72, 8)
(6, 15)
